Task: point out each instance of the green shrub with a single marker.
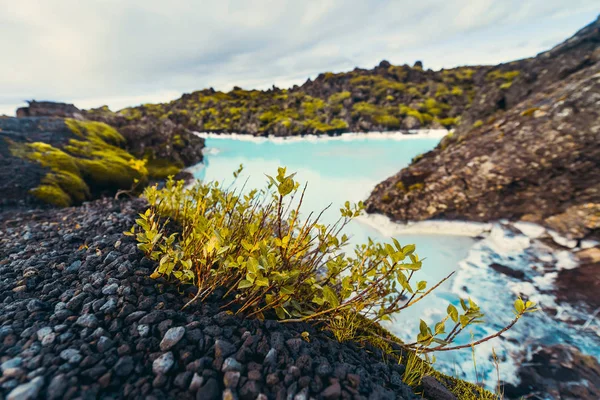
(273, 264)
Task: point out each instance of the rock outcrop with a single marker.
(536, 157)
(53, 154)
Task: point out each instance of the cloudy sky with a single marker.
(127, 52)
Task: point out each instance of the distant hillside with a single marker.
(384, 98)
(526, 150)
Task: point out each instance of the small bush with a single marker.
(272, 263)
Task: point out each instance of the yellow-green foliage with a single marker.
(387, 121)
(529, 112)
(338, 98)
(449, 122)
(92, 162)
(478, 124)
(312, 106)
(272, 264)
(382, 116)
(416, 186)
(442, 90)
(457, 91)
(259, 112)
(95, 132)
(378, 85)
(162, 168)
(407, 111)
(498, 75)
(265, 255)
(52, 194)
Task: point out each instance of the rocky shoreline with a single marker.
(80, 318)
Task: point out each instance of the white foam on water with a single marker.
(387, 227)
(347, 136)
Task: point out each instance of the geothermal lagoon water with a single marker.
(347, 168)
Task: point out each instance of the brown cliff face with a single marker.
(529, 151)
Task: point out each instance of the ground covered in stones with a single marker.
(80, 318)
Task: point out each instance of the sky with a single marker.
(127, 52)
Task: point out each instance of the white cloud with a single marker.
(128, 52)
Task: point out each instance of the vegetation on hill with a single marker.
(385, 98)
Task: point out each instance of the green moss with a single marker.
(456, 91)
(442, 90)
(51, 194)
(410, 112)
(449, 122)
(416, 186)
(338, 98)
(93, 161)
(312, 106)
(529, 112)
(478, 124)
(339, 124)
(162, 168)
(506, 76)
(71, 184)
(400, 185)
(387, 121)
(505, 85)
(365, 109)
(95, 131)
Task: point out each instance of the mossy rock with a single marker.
(83, 168)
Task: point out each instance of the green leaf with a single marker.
(244, 284)
(330, 296)
(280, 311)
(286, 187)
(440, 327)
(453, 313)
(464, 321)
(519, 306)
(421, 285)
(423, 328)
(408, 249)
(262, 281)
(287, 289)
